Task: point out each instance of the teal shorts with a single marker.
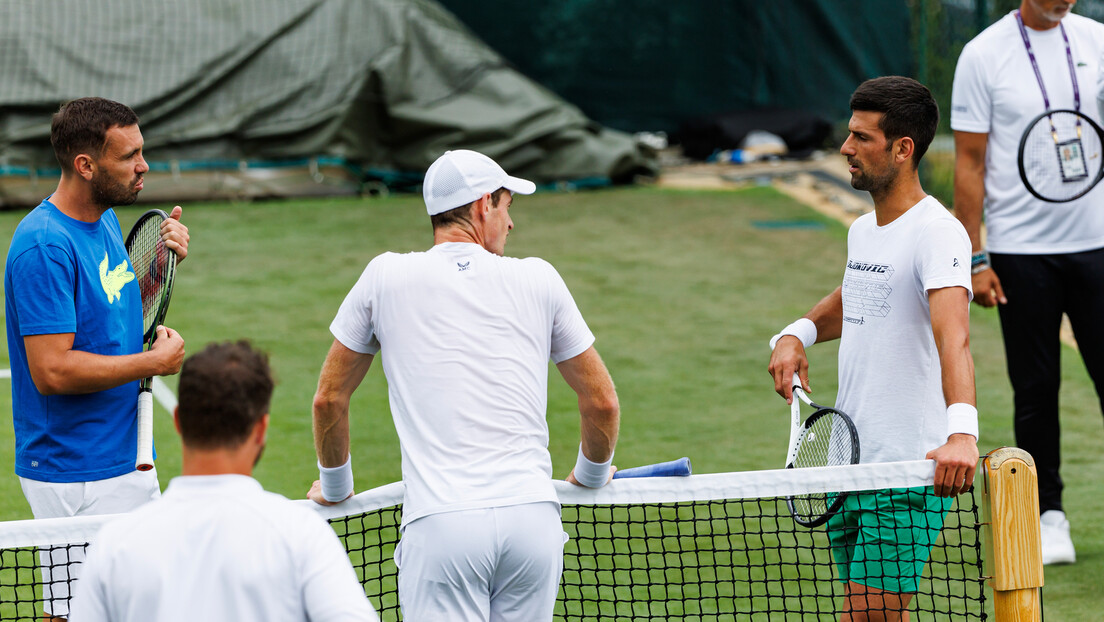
(882, 539)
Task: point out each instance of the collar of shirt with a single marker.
(229, 483)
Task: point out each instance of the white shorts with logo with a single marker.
(499, 564)
(114, 495)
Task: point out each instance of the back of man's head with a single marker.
(908, 106)
(458, 178)
(224, 391)
(81, 126)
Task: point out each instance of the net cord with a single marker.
(707, 487)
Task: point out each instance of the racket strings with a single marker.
(153, 265)
(826, 441)
(1051, 138)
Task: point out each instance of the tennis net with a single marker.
(704, 547)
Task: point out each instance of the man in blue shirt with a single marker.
(74, 327)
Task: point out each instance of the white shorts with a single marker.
(114, 495)
(498, 564)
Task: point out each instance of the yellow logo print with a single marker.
(113, 280)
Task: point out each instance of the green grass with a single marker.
(680, 287)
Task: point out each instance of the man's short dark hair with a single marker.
(224, 391)
(80, 126)
(908, 106)
(462, 214)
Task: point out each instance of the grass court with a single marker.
(682, 289)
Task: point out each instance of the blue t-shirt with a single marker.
(68, 276)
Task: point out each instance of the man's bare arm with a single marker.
(57, 369)
(957, 459)
(789, 358)
(599, 409)
(969, 200)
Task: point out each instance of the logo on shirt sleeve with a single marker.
(114, 279)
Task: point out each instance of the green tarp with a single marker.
(379, 87)
(652, 64)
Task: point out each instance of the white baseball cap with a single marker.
(459, 177)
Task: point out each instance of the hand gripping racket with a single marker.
(154, 266)
(674, 468)
(827, 438)
(1060, 156)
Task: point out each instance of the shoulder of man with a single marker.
(35, 220)
(541, 267)
(1077, 20)
(380, 262)
(936, 220)
(526, 264)
(123, 527)
(863, 223)
(40, 229)
(992, 40)
(293, 519)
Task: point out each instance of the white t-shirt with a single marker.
(889, 370)
(218, 547)
(995, 92)
(466, 337)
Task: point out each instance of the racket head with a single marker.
(154, 266)
(828, 438)
(1049, 135)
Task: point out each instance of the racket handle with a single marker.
(795, 419)
(144, 461)
(674, 468)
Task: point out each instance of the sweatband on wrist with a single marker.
(979, 262)
(591, 474)
(337, 482)
(804, 329)
(962, 418)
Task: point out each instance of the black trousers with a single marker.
(1039, 289)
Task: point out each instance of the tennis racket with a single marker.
(1060, 156)
(154, 266)
(674, 468)
(827, 438)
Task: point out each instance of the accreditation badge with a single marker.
(1071, 160)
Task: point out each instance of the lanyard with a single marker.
(1035, 64)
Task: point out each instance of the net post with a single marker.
(1014, 548)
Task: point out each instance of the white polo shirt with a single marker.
(466, 336)
(219, 548)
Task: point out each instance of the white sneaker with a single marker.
(1057, 545)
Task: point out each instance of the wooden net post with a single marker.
(1014, 550)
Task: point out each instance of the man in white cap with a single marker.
(467, 335)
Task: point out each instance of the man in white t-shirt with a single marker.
(902, 317)
(466, 335)
(216, 546)
(1038, 260)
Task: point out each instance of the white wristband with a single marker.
(591, 474)
(804, 329)
(337, 482)
(962, 418)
